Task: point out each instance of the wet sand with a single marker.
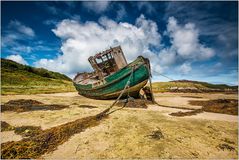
(125, 133)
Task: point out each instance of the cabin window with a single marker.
(104, 58)
(98, 60)
(110, 56)
(106, 63)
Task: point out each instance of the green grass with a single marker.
(22, 79)
(165, 86)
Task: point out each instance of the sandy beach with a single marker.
(127, 133)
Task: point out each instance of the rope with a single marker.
(150, 83)
(177, 81)
(119, 108)
(103, 113)
(164, 76)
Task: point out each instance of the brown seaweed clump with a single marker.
(23, 102)
(192, 96)
(135, 103)
(225, 146)
(225, 106)
(189, 113)
(23, 105)
(25, 131)
(6, 127)
(156, 134)
(47, 140)
(87, 106)
(28, 131)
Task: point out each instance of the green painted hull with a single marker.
(115, 83)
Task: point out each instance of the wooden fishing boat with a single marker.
(111, 73)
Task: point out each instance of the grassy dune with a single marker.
(187, 86)
(22, 79)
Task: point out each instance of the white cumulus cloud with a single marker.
(185, 47)
(96, 6)
(121, 12)
(22, 28)
(167, 56)
(185, 39)
(149, 8)
(81, 40)
(185, 68)
(17, 58)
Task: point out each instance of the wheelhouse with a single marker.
(104, 64)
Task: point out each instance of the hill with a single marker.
(22, 79)
(191, 86)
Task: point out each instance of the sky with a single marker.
(183, 40)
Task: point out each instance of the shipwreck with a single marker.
(113, 76)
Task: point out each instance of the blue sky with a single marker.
(183, 40)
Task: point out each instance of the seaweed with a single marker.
(87, 106)
(135, 103)
(47, 140)
(6, 127)
(225, 106)
(24, 105)
(189, 113)
(28, 131)
(156, 134)
(225, 146)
